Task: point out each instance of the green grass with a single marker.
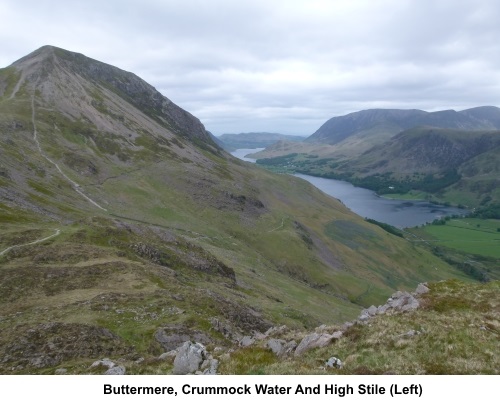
(457, 329)
(469, 235)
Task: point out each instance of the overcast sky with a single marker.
(278, 66)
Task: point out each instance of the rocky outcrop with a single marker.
(173, 336)
(398, 302)
(189, 358)
(281, 347)
(193, 358)
(316, 340)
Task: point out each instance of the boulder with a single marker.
(211, 368)
(277, 346)
(104, 363)
(422, 289)
(117, 370)
(168, 355)
(246, 341)
(313, 341)
(189, 357)
(333, 362)
(172, 336)
(372, 310)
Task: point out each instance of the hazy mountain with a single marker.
(385, 123)
(251, 140)
(126, 228)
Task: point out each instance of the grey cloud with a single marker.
(279, 66)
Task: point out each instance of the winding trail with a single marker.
(17, 86)
(75, 185)
(279, 227)
(58, 231)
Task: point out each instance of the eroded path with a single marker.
(58, 231)
(75, 185)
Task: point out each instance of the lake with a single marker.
(241, 153)
(366, 203)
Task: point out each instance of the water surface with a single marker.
(366, 203)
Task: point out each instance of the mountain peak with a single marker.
(62, 77)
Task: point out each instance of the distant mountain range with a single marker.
(452, 156)
(385, 123)
(252, 140)
(127, 231)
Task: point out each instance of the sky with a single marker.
(278, 66)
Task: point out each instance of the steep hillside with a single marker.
(124, 225)
(426, 150)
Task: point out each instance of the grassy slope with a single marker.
(457, 329)
(299, 257)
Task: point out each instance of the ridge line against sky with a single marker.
(280, 66)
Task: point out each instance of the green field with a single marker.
(469, 235)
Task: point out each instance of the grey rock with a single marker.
(347, 325)
(212, 367)
(334, 362)
(411, 333)
(401, 299)
(372, 310)
(410, 304)
(276, 330)
(104, 362)
(61, 371)
(290, 347)
(365, 313)
(277, 346)
(246, 341)
(259, 336)
(397, 294)
(313, 341)
(422, 289)
(173, 336)
(168, 355)
(364, 317)
(383, 309)
(117, 370)
(189, 358)
(337, 335)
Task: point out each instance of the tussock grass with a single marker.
(456, 331)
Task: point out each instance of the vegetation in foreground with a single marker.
(456, 331)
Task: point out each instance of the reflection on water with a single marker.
(364, 202)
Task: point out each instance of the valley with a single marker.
(126, 231)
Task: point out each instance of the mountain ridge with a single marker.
(389, 122)
(190, 238)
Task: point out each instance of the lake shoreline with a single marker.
(400, 213)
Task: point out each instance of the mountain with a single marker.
(385, 123)
(252, 140)
(435, 160)
(127, 231)
(427, 150)
(450, 165)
